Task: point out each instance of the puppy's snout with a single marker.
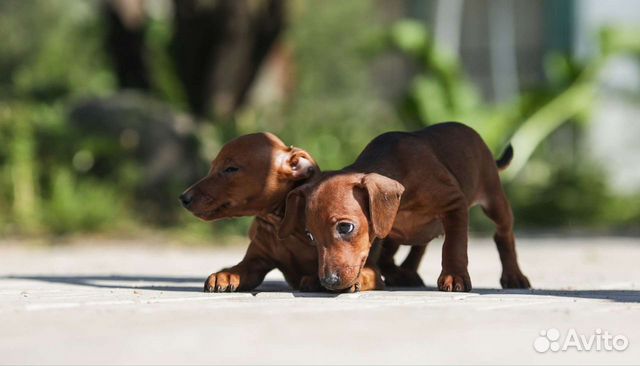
(331, 281)
(186, 199)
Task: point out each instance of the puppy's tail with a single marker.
(504, 159)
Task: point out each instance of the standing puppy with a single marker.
(407, 188)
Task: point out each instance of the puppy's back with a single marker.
(417, 155)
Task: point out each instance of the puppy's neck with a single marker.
(275, 213)
(272, 219)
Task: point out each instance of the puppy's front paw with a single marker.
(222, 282)
(369, 279)
(356, 287)
(456, 281)
(514, 279)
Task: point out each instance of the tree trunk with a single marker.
(126, 25)
(218, 48)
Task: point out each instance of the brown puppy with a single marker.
(251, 176)
(408, 188)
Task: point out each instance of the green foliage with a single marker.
(334, 111)
(52, 51)
(166, 84)
(21, 162)
(52, 55)
(82, 206)
(40, 189)
(570, 197)
(567, 195)
(441, 92)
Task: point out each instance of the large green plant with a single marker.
(50, 56)
(441, 92)
(335, 109)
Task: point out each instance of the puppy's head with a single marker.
(251, 175)
(343, 214)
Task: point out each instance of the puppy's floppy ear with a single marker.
(293, 212)
(384, 200)
(298, 164)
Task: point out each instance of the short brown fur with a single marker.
(407, 188)
(251, 176)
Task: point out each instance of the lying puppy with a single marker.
(251, 176)
(407, 188)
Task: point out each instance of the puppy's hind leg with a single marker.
(410, 265)
(413, 259)
(405, 275)
(497, 208)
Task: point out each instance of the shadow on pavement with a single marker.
(188, 284)
(120, 282)
(631, 296)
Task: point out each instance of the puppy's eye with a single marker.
(230, 169)
(345, 228)
(309, 236)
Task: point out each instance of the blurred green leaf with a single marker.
(410, 36)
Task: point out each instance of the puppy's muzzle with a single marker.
(331, 281)
(186, 199)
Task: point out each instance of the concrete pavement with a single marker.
(131, 302)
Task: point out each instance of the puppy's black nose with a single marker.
(186, 199)
(330, 281)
